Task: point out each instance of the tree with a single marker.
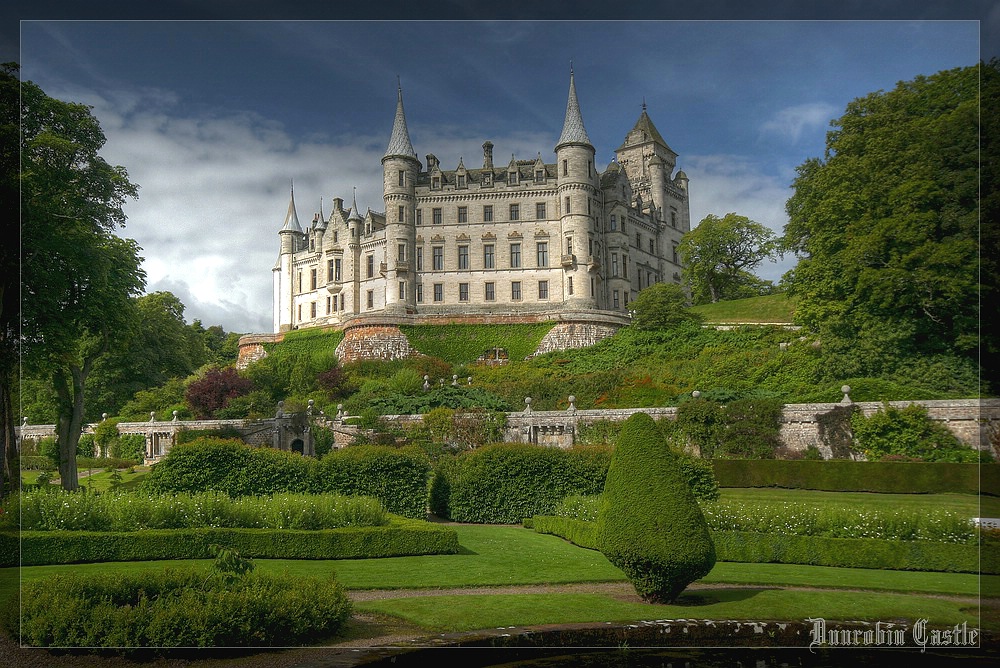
(662, 306)
(649, 524)
(215, 389)
(9, 265)
(78, 279)
(989, 137)
(719, 254)
(885, 226)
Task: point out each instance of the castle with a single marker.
(530, 240)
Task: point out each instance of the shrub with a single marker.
(180, 608)
(227, 466)
(131, 447)
(48, 447)
(85, 446)
(752, 429)
(908, 431)
(701, 421)
(213, 391)
(399, 477)
(649, 524)
(508, 482)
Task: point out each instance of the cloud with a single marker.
(792, 123)
(721, 184)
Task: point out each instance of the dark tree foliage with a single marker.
(79, 280)
(662, 306)
(214, 390)
(989, 138)
(9, 266)
(886, 227)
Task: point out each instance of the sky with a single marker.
(216, 119)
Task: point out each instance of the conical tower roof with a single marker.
(399, 142)
(291, 218)
(355, 214)
(573, 131)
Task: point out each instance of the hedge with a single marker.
(398, 477)
(754, 548)
(403, 537)
(508, 482)
(179, 608)
(837, 475)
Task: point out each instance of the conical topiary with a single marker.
(650, 525)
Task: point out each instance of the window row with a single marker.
(490, 214)
(488, 257)
(512, 178)
(489, 292)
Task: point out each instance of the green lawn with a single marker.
(507, 555)
(769, 308)
(97, 480)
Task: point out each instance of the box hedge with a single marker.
(398, 477)
(402, 537)
(755, 548)
(508, 482)
(841, 475)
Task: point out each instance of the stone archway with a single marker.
(298, 445)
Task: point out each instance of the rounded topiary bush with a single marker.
(650, 525)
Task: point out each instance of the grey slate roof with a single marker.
(644, 131)
(399, 142)
(573, 131)
(292, 218)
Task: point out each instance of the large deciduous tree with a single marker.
(662, 306)
(9, 261)
(886, 225)
(79, 280)
(720, 254)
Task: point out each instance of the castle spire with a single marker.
(399, 142)
(291, 218)
(573, 131)
(355, 215)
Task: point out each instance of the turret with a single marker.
(283, 296)
(400, 168)
(577, 179)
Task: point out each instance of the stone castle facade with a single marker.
(531, 239)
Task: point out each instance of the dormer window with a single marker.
(539, 176)
(487, 178)
(461, 180)
(436, 182)
(512, 178)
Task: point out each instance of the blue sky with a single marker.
(213, 119)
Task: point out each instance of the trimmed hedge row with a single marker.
(754, 548)
(179, 608)
(841, 475)
(398, 477)
(402, 537)
(508, 482)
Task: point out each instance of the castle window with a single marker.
(569, 285)
(463, 214)
(674, 257)
(649, 278)
(312, 309)
(625, 266)
(402, 291)
(488, 256)
(638, 240)
(488, 213)
(335, 236)
(437, 258)
(463, 257)
(329, 306)
(614, 222)
(539, 176)
(370, 263)
(329, 271)
(312, 243)
(651, 250)
(436, 182)
(337, 271)
(512, 178)
(401, 253)
(461, 180)
(402, 214)
(439, 292)
(569, 245)
(515, 211)
(515, 291)
(515, 256)
(487, 178)
(300, 313)
(490, 292)
(436, 216)
(420, 258)
(565, 167)
(542, 253)
(673, 218)
(567, 206)
(589, 201)
(543, 290)
(402, 177)
(420, 293)
(298, 276)
(368, 229)
(420, 217)
(590, 169)
(312, 279)
(614, 264)
(540, 211)
(463, 292)
(371, 299)
(615, 299)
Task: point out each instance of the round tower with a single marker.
(400, 168)
(283, 296)
(577, 188)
